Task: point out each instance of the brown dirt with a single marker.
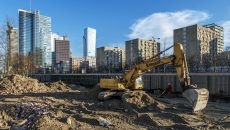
(142, 101)
(17, 84)
(26, 103)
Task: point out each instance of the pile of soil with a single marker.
(17, 84)
(59, 85)
(142, 101)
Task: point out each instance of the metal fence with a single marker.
(216, 83)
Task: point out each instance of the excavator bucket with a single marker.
(198, 97)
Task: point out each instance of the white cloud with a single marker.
(162, 24)
(226, 26)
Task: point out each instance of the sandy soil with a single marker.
(58, 106)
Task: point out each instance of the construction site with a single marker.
(136, 98)
(27, 103)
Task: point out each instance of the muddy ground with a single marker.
(27, 104)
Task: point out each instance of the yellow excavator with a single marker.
(131, 80)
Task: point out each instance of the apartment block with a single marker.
(138, 50)
(110, 58)
(199, 41)
(75, 64)
(217, 45)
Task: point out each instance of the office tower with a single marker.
(89, 42)
(62, 50)
(35, 37)
(62, 55)
(55, 36)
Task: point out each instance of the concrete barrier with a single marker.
(216, 83)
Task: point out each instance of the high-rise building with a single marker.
(62, 55)
(138, 50)
(62, 50)
(217, 45)
(200, 41)
(55, 36)
(35, 37)
(89, 42)
(110, 58)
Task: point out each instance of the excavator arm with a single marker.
(197, 97)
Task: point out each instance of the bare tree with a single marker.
(23, 65)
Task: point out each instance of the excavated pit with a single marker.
(26, 103)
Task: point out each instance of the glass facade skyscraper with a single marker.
(89, 42)
(35, 37)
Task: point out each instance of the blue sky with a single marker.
(119, 20)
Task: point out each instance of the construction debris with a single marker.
(26, 103)
(103, 122)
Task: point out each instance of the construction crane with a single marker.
(198, 97)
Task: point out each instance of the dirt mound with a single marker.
(59, 85)
(17, 84)
(142, 101)
(48, 123)
(145, 120)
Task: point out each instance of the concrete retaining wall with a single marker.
(216, 83)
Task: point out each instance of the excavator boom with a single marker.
(132, 79)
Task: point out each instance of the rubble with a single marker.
(103, 122)
(26, 103)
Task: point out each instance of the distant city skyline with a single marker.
(119, 21)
